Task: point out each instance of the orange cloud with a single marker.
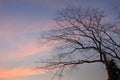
(18, 73)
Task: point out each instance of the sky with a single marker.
(22, 22)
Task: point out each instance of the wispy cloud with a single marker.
(18, 34)
(24, 51)
(12, 27)
(19, 72)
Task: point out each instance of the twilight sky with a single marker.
(21, 22)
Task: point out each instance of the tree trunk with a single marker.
(106, 62)
(108, 72)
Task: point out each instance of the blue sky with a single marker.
(22, 21)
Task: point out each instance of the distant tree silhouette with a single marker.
(83, 36)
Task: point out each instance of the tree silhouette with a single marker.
(114, 70)
(83, 35)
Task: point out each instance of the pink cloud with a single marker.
(24, 51)
(18, 26)
(19, 72)
(23, 46)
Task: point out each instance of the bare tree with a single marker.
(83, 35)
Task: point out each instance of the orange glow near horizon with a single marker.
(19, 72)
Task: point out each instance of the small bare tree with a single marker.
(83, 35)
